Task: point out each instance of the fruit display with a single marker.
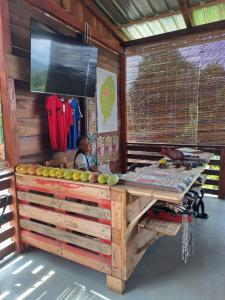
(39, 171)
(77, 175)
(102, 178)
(60, 173)
(113, 179)
(52, 172)
(68, 174)
(85, 176)
(93, 177)
(32, 169)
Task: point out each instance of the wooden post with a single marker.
(221, 193)
(8, 102)
(123, 113)
(115, 284)
(118, 205)
(8, 98)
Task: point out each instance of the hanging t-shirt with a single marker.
(59, 120)
(50, 105)
(73, 131)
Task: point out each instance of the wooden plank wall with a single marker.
(33, 137)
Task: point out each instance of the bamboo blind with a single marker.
(176, 91)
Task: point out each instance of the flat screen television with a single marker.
(61, 64)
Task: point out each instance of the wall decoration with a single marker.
(92, 115)
(115, 147)
(106, 101)
(100, 150)
(108, 148)
(93, 141)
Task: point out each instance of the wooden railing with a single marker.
(145, 154)
(9, 236)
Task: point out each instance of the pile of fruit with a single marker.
(69, 174)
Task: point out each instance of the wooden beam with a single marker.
(61, 14)
(123, 113)
(68, 5)
(175, 34)
(185, 10)
(7, 89)
(98, 13)
(18, 67)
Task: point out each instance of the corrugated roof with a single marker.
(198, 2)
(123, 11)
(159, 26)
(143, 18)
(209, 14)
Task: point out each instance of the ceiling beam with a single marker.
(53, 9)
(150, 18)
(175, 34)
(100, 15)
(186, 12)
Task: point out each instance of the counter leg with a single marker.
(115, 284)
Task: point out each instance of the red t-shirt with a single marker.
(59, 121)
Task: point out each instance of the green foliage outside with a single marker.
(213, 177)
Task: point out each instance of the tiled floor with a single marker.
(160, 275)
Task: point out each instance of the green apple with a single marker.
(39, 171)
(52, 172)
(102, 178)
(45, 172)
(113, 179)
(85, 176)
(68, 174)
(60, 173)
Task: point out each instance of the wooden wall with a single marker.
(32, 127)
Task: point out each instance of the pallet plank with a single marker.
(6, 234)
(7, 250)
(83, 209)
(72, 253)
(78, 190)
(66, 221)
(5, 184)
(68, 237)
(136, 205)
(164, 227)
(118, 232)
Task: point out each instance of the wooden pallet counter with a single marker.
(98, 226)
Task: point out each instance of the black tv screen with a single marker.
(60, 64)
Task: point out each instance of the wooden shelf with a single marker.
(164, 227)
